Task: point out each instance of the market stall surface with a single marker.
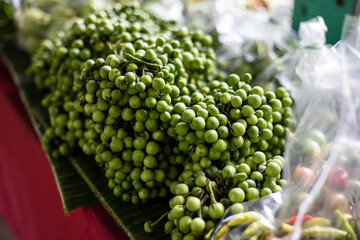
(30, 204)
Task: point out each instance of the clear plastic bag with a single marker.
(197, 14)
(254, 40)
(296, 71)
(200, 14)
(39, 19)
(234, 226)
(166, 9)
(322, 159)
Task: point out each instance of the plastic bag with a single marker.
(322, 160)
(296, 71)
(200, 14)
(39, 19)
(236, 226)
(254, 40)
(197, 14)
(166, 9)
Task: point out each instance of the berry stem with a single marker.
(141, 61)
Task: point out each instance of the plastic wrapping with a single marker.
(200, 14)
(262, 210)
(192, 13)
(254, 40)
(166, 9)
(324, 154)
(322, 165)
(297, 70)
(39, 19)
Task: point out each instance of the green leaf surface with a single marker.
(130, 217)
(76, 177)
(73, 190)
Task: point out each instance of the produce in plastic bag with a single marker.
(192, 13)
(256, 44)
(200, 14)
(166, 9)
(322, 162)
(39, 19)
(256, 219)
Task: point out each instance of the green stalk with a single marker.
(149, 225)
(141, 61)
(212, 196)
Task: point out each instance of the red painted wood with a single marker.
(29, 201)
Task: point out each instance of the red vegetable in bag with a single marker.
(293, 219)
(337, 179)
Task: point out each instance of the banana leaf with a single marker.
(130, 217)
(79, 179)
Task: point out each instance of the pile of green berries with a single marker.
(111, 83)
(232, 144)
(144, 99)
